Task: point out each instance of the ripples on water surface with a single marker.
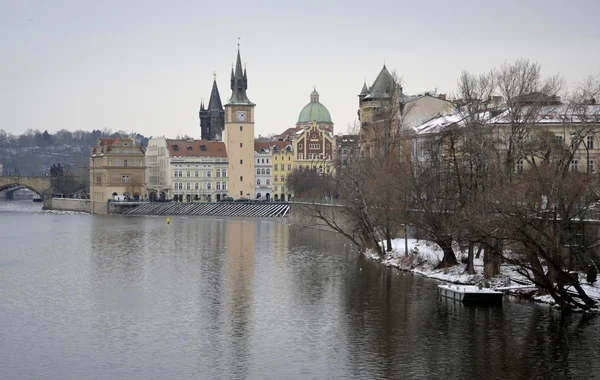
(134, 298)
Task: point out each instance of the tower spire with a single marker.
(239, 83)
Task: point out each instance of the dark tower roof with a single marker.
(215, 99)
(239, 84)
(365, 90)
(383, 87)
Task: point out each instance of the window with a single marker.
(124, 162)
(257, 171)
(188, 174)
(275, 179)
(289, 167)
(590, 166)
(275, 167)
(241, 145)
(263, 160)
(218, 185)
(188, 186)
(209, 186)
(241, 178)
(196, 186)
(224, 185)
(241, 162)
(224, 173)
(590, 142)
(275, 158)
(208, 174)
(196, 173)
(241, 128)
(275, 188)
(300, 156)
(559, 138)
(262, 171)
(267, 160)
(218, 173)
(180, 186)
(175, 173)
(574, 165)
(268, 171)
(98, 180)
(241, 192)
(299, 146)
(268, 182)
(258, 182)
(282, 179)
(125, 179)
(258, 160)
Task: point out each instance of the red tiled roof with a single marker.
(288, 132)
(196, 148)
(108, 141)
(258, 145)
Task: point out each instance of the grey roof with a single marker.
(239, 84)
(365, 90)
(214, 103)
(383, 87)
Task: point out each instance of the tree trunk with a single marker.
(470, 266)
(388, 240)
(492, 260)
(479, 249)
(449, 258)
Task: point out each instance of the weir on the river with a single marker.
(241, 209)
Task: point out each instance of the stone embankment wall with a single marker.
(68, 204)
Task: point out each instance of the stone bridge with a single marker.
(40, 185)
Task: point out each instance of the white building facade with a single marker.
(188, 170)
(263, 178)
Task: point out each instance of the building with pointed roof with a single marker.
(239, 135)
(212, 119)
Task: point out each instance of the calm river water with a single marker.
(93, 297)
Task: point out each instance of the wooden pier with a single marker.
(471, 294)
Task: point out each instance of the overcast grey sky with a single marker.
(145, 65)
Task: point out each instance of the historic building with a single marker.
(186, 170)
(283, 164)
(212, 119)
(239, 135)
(117, 172)
(263, 157)
(315, 112)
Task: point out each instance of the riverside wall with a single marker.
(68, 204)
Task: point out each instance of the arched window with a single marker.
(276, 177)
(196, 173)
(257, 171)
(262, 171)
(188, 174)
(188, 186)
(209, 186)
(258, 182)
(208, 174)
(268, 171)
(268, 182)
(196, 186)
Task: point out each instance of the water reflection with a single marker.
(122, 297)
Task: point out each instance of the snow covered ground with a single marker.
(424, 256)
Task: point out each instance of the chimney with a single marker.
(442, 96)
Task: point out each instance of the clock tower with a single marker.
(239, 135)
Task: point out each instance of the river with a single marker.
(112, 297)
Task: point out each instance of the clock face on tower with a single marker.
(240, 116)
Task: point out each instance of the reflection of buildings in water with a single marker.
(241, 246)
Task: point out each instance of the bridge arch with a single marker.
(39, 185)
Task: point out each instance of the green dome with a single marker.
(314, 111)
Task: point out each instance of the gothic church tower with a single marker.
(239, 135)
(212, 119)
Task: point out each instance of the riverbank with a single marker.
(424, 256)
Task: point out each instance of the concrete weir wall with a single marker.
(68, 204)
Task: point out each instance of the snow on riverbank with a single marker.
(425, 255)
